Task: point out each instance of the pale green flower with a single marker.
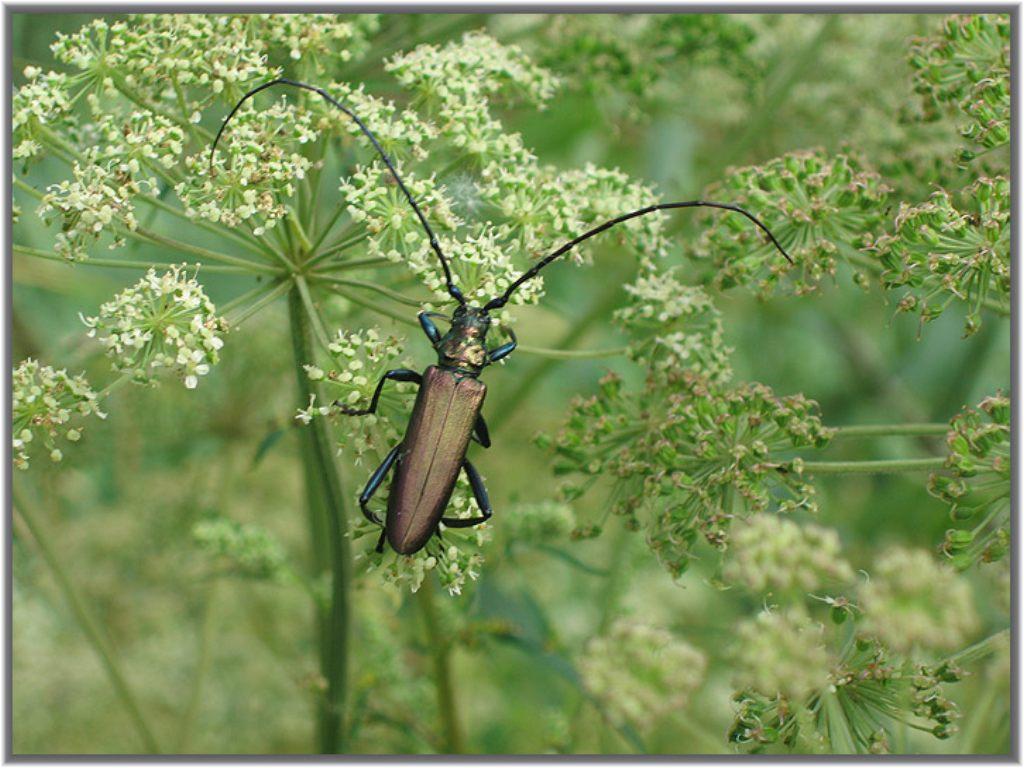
(769, 552)
(781, 652)
(641, 673)
(249, 550)
(912, 601)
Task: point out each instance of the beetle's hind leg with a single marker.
(375, 481)
(480, 494)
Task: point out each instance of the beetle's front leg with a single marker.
(480, 494)
(398, 374)
(428, 325)
(506, 349)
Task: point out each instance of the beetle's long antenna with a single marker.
(452, 288)
(500, 301)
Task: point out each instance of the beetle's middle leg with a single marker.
(398, 374)
(480, 494)
(375, 482)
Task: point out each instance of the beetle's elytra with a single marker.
(447, 413)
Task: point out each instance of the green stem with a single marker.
(158, 239)
(324, 496)
(571, 354)
(270, 296)
(195, 698)
(401, 298)
(127, 264)
(440, 649)
(873, 430)
(314, 316)
(882, 467)
(24, 514)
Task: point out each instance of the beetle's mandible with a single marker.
(447, 413)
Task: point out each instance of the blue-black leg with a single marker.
(375, 482)
(480, 433)
(506, 349)
(480, 494)
(428, 326)
(398, 374)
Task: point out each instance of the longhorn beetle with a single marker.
(447, 411)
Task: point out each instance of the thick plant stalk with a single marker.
(325, 502)
(25, 516)
(440, 651)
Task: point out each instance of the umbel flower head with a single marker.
(966, 66)
(162, 322)
(641, 673)
(977, 486)
(358, 361)
(46, 405)
(912, 601)
(686, 456)
(819, 207)
(866, 693)
(97, 199)
(943, 253)
(674, 327)
(771, 553)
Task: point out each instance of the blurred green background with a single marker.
(225, 665)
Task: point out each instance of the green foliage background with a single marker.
(221, 664)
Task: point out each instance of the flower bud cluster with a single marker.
(162, 322)
(816, 205)
(129, 143)
(977, 486)
(966, 65)
(771, 553)
(318, 41)
(641, 673)
(43, 404)
(687, 455)
(781, 653)
(248, 550)
(914, 602)
(944, 253)
(539, 522)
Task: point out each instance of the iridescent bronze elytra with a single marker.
(447, 415)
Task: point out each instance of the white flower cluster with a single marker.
(163, 321)
(255, 169)
(128, 143)
(319, 39)
(781, 653)
(455, 556)
(43, 402)
(96, 199)
(457, 83)
(401, 133)
(192, 56)
(913, 601)
(675, 327)
(769, 552)
(482, 267)
(470, 70)
(375, 200)
(360, 359)
(641, 673)
(42, 102)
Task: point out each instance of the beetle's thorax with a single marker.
(463, 348)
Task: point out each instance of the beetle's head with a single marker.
(464, 347)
